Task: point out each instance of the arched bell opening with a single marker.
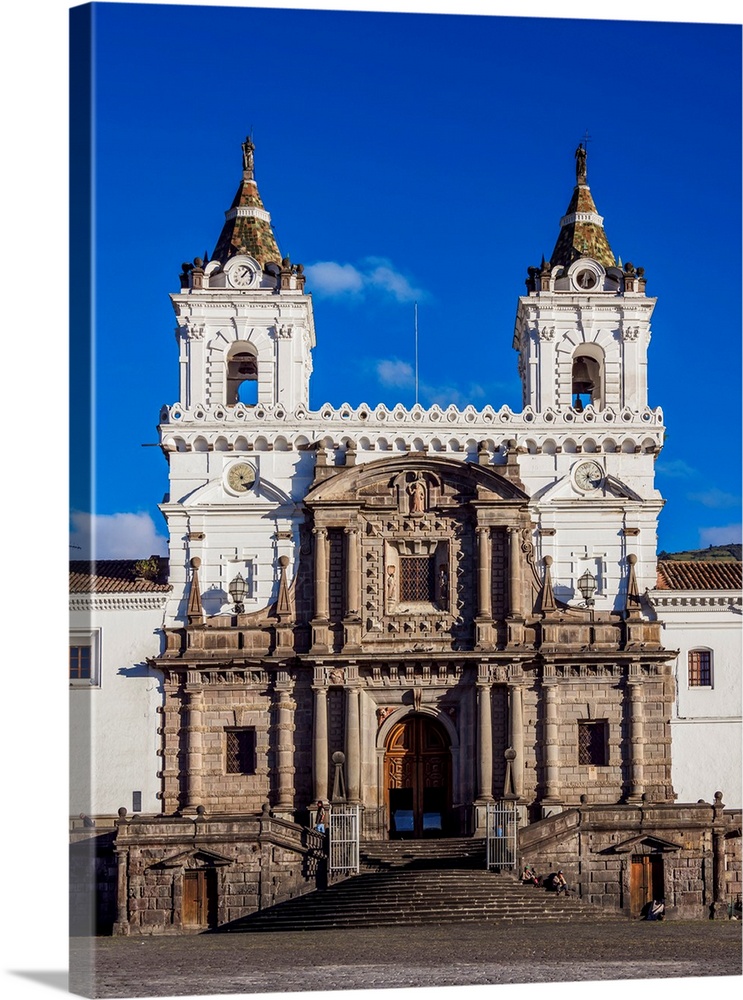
(587, 378)
(242, 375)
(418, 778)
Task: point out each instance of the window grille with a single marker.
(241, 751)
(592, 743)
(416, 579)
(700, 668)
(80, 663)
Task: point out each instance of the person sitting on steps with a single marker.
(530, 876)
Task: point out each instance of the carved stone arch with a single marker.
(405, 710)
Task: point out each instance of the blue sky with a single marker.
(404, 158)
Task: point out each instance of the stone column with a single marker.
(321, 573)
(194, 725)
(636, 740)
(121, 925)
(320, 744)
(516, 735)
(353, 609)
(285, 745)
(484, 586)
(514, 572)
(353, 744)
(484, 742)
(719, 902)
(552, 747)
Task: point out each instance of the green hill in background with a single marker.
(715, 553)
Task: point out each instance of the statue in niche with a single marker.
(417, 491)
(443, 582)
(391, 583)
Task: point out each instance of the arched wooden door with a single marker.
(417, 774)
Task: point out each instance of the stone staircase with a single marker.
(420, 882)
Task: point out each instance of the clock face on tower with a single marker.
(240, 477)
(242, 275)
(588, 476)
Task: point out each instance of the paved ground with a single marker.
(453, 955)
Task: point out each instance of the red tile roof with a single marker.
(679, 575)
(115, 576)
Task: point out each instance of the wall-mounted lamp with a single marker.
(238, 589)
(587, 588)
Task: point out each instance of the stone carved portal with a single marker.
(417, 771)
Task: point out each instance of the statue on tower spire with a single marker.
(248, 163)
(580, 164)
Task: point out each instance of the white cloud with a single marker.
(676, 469)
(114, 536)
(715, 498)
(331, 279)
(731, 534)
(374, 274)
(392, 372)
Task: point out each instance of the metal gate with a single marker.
(501, 835)
(344, 838)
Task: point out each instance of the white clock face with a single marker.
(240, 477)
(242, 275)
(588, 476)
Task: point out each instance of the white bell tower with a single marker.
(583, 330)
(245, 334)
(245, 326)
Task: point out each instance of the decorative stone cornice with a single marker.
(118, 602)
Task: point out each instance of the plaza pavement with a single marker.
(402, 957)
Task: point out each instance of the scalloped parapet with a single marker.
(434, 427)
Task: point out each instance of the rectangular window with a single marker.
(136, 802)
(417, 579)
(700, 668)
(85, 651)
(240, 751)
(593, 743)
(80, 661)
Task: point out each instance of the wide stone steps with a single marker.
(420, 887)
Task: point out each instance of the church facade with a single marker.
(453, 603)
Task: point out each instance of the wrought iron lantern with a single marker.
(238, 590)
(587, 588)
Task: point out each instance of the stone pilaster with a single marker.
(321, 573)
(484, 585)
(516, 736)
(484, 742)
(353, 573)
(320, 743)
(636, 739)
(284, 746)
(194, 763)
(514, 573)
(353, 744)
(551, 801)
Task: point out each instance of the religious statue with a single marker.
(248, 149)
(390, 583)
(580, 162)
(443, 584)
(417, 491)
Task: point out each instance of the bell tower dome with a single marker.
(583, 329)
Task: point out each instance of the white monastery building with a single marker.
(417, 617)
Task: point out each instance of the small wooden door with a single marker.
(417, 777)
(200, 898)
(646, 881)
